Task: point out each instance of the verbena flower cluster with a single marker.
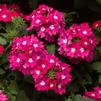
(51, 74)
(96, 94)
(78, 43)
(47, 22)
(97, 24)
(3, 97)
(25, 52)
(29, 56)
(7, 13)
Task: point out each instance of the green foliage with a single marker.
(97, 66)
(50, 48)
(80, 98)
(2, 71)
(3, 41)
(99, 1)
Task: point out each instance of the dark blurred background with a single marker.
(87, 10)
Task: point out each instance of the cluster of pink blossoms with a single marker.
(3, 97)
(96, 94)
(97, 24)
(7, 13)
(78, 43)
(25, 52)
(29, 57)
(51, 74)
(47, 22)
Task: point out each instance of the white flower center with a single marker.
(42, 83)
(30, 60)
(35, 45)
(17, 43)
(43, 65)
(74, 31)
(55, 17)
(100, 92)
(42, 29)
(38, 11)
(4, 16)
(97, 25)
(84, 32)
(91, 41)
(38, 57)
(30, 51)
(52, 27)
(82, 50)
(51, 85)
(79, 29)
(24, 42)
(33, 16)
(63, 68)
(63, 77)
(0, 9)
(85, 43)
(92, 94)
(59, 86)
(73, 50)
(52, 61)
(38, 21)
(65, 41)
(38, 72)
(43, 9)
(24, 67)
(18, 60)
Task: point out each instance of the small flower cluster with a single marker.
(47, 22)
(78, 43)
(3, 97)
(1, 49)
(29, 57)
(51, 74)
(97, 24)
(96, 94)
(25, 52)
(7, 13)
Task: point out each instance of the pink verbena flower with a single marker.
(1, 49)
(8, 13)
(3, 97)
(97, 24)
(78, 43)
(25, 52)
(51, 74)
(5, 16)
(3, 7)
(47, 22)
(95, 94)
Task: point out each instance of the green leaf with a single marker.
(51, 48)
(80, 98)
(99, 1)
(13, 88)
(2, 41)
(18, 22)
(22, 96)
(100, 79)
(97, 66)
(2, 71)
(69, 99)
